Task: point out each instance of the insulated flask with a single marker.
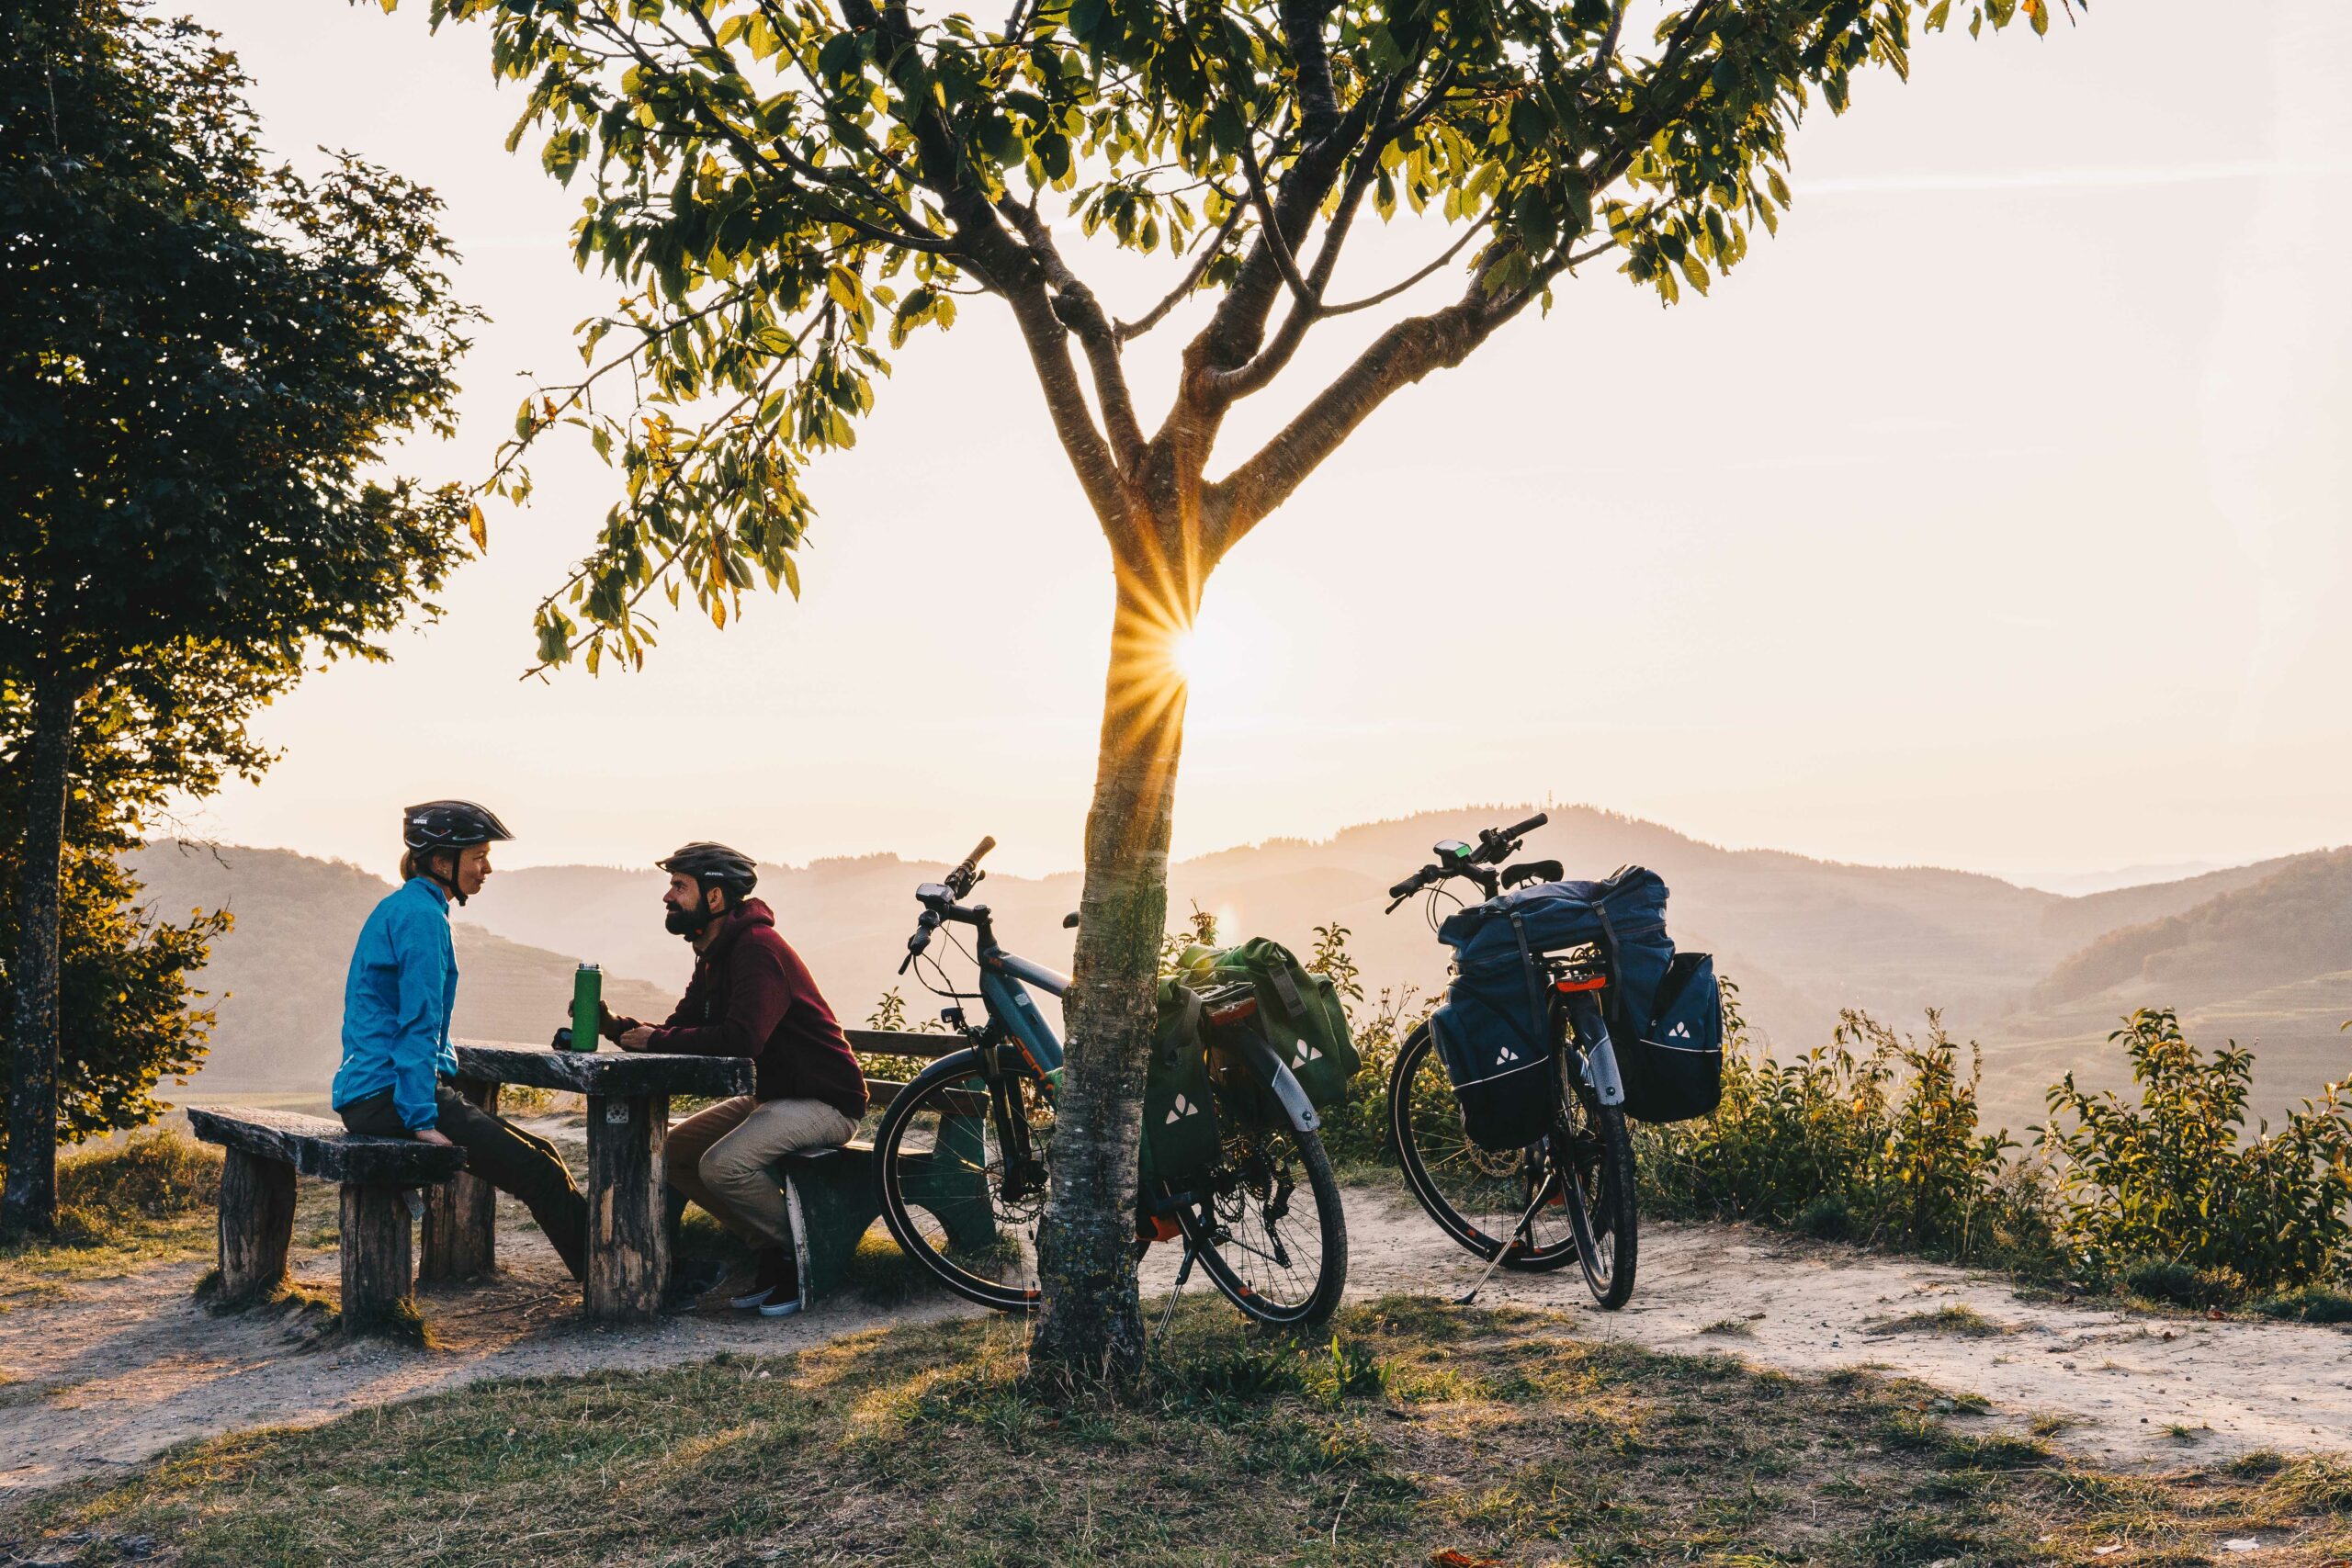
(587, 998)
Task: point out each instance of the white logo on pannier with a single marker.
(1679, 1031)
(1306, 1054)
(1183, 1107)
(1507, 1054)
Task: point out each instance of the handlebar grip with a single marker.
(980, 852)
(1406, 888)
(1528, 826)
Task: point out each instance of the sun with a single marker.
(1186, 656)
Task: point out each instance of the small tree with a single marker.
(788, 188)
(200, 359)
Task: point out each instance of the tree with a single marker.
(788, 189)
(125, 1021)
(200, 359)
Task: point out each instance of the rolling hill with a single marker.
(282, 965)
(2264, 952)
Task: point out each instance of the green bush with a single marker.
(2183, 1285)
(2175, 1180)
(1871, 1138)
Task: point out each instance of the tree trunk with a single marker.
(1092, 1324)
(30, 1200)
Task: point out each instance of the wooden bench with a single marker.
(265, 1150)
(832, 1193)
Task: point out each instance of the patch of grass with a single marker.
(120, 1206)
(1958, 1319)
(2178, 1284)
(400, 1324)
(291, 1296)
(2308, 1303)
(1737, 1326)
(935, 1445)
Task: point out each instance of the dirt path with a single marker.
(106, 1375)
(2121, 1382)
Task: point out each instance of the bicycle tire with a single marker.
(1205, 1223)
(1421, 1108)
(1597, 1167)
(912, 1180)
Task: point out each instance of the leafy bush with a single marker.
(2175, 1180)
(1873, 1137)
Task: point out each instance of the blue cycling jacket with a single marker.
(396, 1003)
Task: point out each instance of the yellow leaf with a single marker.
(478, 525)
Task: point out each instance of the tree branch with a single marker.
(1076, 307)
(1191, 280)
(1398, 357)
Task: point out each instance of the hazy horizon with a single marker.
(1992, 516)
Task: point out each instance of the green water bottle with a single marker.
(587, 1006)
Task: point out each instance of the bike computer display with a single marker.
(1455, 849)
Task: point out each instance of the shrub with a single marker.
(1873, 1137)
(2175, 1180)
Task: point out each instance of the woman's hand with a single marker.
(433, 1136)
(638, 1039)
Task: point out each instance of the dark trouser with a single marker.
(501, 1154)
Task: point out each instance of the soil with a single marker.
(104, 1375)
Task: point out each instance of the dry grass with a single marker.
(121, 1206)
(1416, 1430)
(1958, 1319)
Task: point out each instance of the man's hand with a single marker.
(433, 1136)
(638, 1039)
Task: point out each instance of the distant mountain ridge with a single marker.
(2039, 978)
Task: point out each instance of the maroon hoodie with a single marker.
(750, 996)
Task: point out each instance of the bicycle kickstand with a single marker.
(1168, 1314)
(1518, 1234)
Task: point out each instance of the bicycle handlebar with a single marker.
(963, 876)
(1494, 844)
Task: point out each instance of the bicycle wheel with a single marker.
(1595, 1156)
(1477, 1196)
(1271, 1231)
(955, 1199)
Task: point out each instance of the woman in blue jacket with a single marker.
(396, 1072)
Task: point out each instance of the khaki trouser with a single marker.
(724, 1158)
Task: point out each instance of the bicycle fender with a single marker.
(1270, 1071)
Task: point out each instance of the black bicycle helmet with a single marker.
(714, 865)
(450, 824)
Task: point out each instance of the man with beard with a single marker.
(750, 996)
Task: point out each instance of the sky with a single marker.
(1993, 515)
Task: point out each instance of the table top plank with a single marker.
(612, 1074)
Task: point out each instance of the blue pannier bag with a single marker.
(1673, 1069)
(1494, 1035)
(1497, 999)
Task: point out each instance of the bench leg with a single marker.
(257, 1225)
(832, 1205)
(460, 1240)
(628, 1245)
(375, 1251)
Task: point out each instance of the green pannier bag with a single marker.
(1298, 1011)
(1180, 1130)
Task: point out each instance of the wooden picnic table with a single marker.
(628, 1122)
